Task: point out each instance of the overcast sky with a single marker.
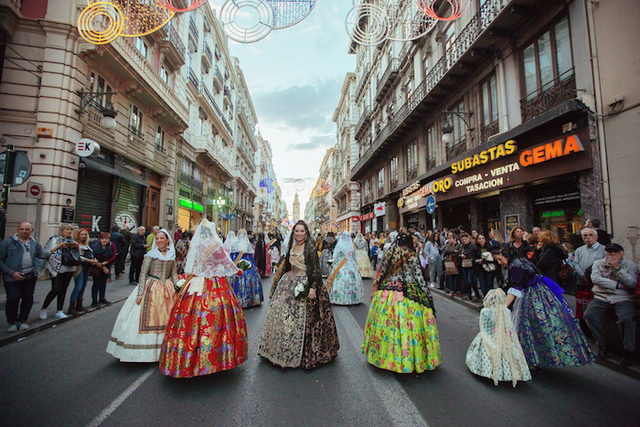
(295, 76)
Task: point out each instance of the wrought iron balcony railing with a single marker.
(562, 88)
(387, 79)
(364, 119)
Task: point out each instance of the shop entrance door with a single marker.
(153, 207)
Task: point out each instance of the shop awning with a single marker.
(97, 166)
(134, 179)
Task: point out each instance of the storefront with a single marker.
(539, 178)
(94, 196)
(379, 210)
(189, 213)
(366, 221)
(129, 196)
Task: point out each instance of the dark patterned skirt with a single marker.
(296, 332)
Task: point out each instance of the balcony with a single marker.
(211, 147)
(218, 81)
(227, 98)
(92, 125)
(173, 48)
(431, 163)
(193, 29)
(364, 119)
(363, 80)
(207, 56)
(192, 79)
(454, 150)
(412, 173)
(489, 130)
(477, 37)
(135, 134)
(541, 100)
(387, 79)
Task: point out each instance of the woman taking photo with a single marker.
(401, 334)
(105, 253)
(60, 268)
(485, 264)
(81, 276)
(451, 255)
(139, 329)
(548, 331)
(299, 330)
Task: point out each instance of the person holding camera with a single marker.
(21, 261)
(64, 259)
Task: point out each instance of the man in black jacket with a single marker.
(138, 249)
(118, 240)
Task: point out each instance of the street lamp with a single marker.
(447, 129)
(108, 113)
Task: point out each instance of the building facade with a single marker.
(490, 115)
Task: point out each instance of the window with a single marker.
(381, 182)
(142, 47)
(164, 74)
(459, 128)
(489, 101)
(431, 147)
(547, 60)
(393, 172)
(197, 179)
(367, 190)
(160, 135)
(412, 159)
(135, 121)
(98, 84)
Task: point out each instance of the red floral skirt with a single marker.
(207, 331)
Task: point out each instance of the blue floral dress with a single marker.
(248, 287)
(548, 331)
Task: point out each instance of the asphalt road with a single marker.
(64, 377)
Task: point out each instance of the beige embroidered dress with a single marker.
(139, 329)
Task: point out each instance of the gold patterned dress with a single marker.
(139, 329)
(299, 332)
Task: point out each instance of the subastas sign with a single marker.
(510, 166)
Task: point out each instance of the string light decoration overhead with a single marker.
(193, 4)
(247, 21)
(367, 24)
(102, 21)
(457, 9)
(287, 13)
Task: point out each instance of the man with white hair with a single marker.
(586, 255)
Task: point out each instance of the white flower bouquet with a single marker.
(301, 290)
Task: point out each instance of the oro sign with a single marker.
(87, 147)
(34, 190)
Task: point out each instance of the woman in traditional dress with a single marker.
(182, 248)
(496, 352)
(401, 334)
(139, 329)
(248, 287)
(344, 283)
(362, 256)
(326, 253)
(548, 331)
(261, 256)
(228, 242)
(207, 332)
(299, 330)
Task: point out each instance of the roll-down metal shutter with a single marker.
(128, 204)
(93, 205)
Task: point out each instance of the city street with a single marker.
(63, 376)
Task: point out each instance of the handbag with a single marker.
(489, 267)
(467, 263)
(70, 257)
(450, 268)
(566, 271)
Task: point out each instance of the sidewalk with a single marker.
(117, 290)
(611, 362)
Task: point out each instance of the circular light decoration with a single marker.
(290, 12)
(267, 183)
(169, 4)
(458, 8)
(257, 27)
(262, 192)
(101, 23)
(367, 25)
(299, 184)
(325, 186)
(403, 26)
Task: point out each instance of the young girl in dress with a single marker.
(496, 352)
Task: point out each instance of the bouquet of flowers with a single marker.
(301, 290)
(244, 265)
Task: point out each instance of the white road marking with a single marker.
(396, 401)
(123, 396)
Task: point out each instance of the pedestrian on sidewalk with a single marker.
(468, 264)
(118, 240)
(548, 331)
(126, 234)
(151, 237)
(21, 261)
(432, 251)
(105, 252)
(61, 267)
(138, 249)
(451, 256)
(485, 264)
(81, 275)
